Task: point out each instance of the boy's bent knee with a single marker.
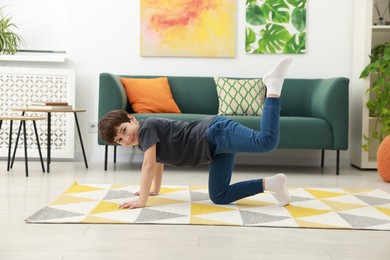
(219, 199)
(270, 144)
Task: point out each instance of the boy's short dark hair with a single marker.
(109, 124)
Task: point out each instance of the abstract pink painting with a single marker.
(188, 28)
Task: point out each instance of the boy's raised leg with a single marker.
(273, 80)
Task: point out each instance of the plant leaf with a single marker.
(274, 38)
(9, 40)
(379, 91)
(298, 19)
(297, 3)
(276, 11)
(254, 14)
(296, 44)
(250, 37)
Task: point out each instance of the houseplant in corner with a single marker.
(379, 106)
(9, 40)
(379, 101)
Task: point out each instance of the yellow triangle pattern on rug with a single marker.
(200, 209)
(248, 203)
(92, 219)
(341, 205)
(301, 212)
(310, 208)
(66, 199)
(165, 190)
(105, 206)
(321, 194)
(81, 188)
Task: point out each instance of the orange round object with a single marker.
(383, 159)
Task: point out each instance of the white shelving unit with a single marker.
(34, 57)
(366, 36)
(22, 81)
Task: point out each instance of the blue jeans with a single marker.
(226, 138)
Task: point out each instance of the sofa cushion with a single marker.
(194, 95)
(240, 96)
(150, 95)
(305, 132)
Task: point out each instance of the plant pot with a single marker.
(381, 21)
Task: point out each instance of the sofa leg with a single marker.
(322, 158)
(105, 157)
(114, 153)
(338, 162)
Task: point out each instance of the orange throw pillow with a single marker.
(150, 95)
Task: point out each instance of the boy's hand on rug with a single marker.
(132, 204)
(151, 193)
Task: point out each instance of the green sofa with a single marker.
(314, 112)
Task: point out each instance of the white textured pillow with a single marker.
(240, 96)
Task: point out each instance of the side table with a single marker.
(49, 112)
(22, 120)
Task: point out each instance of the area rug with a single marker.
(191, 205)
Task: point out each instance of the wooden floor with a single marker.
(21, 197)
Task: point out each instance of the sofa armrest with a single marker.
(330, 101)
(112, 96)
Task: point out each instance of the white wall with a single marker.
(103, 36)
(51, 22)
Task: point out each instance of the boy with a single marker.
(214, 140)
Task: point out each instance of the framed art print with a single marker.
(275, 26)
(188, 28)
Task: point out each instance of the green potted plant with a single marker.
(9, 40)
(379, 102)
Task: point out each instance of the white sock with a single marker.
(277, 184)
(274, 79)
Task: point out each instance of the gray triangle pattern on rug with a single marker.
(150, 215)
(118, 194)
(252, 218)
(49, 212)
(300, 199)
(199, 196)
(362, 221)
(372, 200)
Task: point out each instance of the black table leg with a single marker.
(39, 146)
(48, 141)
(9, 144)
(81, 139)
(17, 142)
(25, 147)
(114, 153)
(105, 157)
(338, 162)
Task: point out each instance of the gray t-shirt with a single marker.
(178, 143)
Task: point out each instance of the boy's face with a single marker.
(128, 133)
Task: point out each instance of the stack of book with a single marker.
(49, 105)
